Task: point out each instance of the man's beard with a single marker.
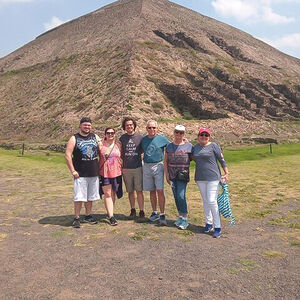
(86, 131)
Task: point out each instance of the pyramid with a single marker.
(148, 59)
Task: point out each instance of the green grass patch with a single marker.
(295, 243)
(153, 46)
(140, 235)
(247, 264)
(260, 214)
(38, 156)
(276, 201)
(187, 115)
(185, 232)
(58, 234)
(158, 105)
(142, 93)
(129, 107)
(260, 152)
(233, 271)
(286, 221)
(274, 254)
(256, 186)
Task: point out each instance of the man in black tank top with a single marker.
(82, 159)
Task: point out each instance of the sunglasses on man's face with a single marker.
(179, 132)
(204, 134)
(110, 133)
(151, 127)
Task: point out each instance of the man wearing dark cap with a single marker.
(82, 159)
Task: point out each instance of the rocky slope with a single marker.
(149, 59)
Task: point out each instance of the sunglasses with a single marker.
(110, 133)
(151, 127)
(179, 132)
(204, 134)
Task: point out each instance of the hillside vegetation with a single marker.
(153, 60)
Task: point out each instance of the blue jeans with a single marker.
(179, 191)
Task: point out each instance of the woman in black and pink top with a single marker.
(177, 159)
(110, 172)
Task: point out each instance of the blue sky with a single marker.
(276, 22)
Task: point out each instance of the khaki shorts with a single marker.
(133, 179)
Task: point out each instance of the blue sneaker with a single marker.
(178, 222)
(162, 220)
(154, 217)
(208, 228)
(184, 224)
(217, 233)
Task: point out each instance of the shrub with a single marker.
(157, 105)
(187, 115)
(129, 107)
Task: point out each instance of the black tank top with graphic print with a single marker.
(85, 155)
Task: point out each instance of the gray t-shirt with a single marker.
(207, 158)
(131, 150)
(178, 158)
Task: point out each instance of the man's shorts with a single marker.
(133, 179)
(153, 176)
(86, 189)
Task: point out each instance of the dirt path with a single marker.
(44, 258)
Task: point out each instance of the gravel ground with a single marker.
(45, 258)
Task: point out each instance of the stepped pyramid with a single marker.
(145, 58)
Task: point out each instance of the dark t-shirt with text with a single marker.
(131, 150)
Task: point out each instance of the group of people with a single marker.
(143, 162)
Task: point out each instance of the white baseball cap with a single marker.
(179, 127)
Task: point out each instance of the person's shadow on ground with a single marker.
(67, 220)
(170, 223)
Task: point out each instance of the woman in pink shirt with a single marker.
(110, 172)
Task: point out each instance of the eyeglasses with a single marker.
(204, 134)
(179, 132)
(110, 133)
(152, 127)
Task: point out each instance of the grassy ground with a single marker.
(258, 182)
(42, 256)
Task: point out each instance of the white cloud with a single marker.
(55, 21)
(239, 9)
(270, 17)
(289, 41)
(251, 10)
